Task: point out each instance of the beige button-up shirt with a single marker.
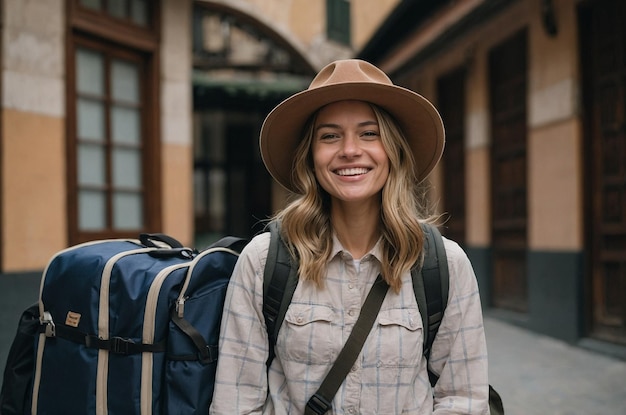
(389, 376)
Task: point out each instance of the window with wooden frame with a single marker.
(133, 11)
(338, 21)
(112, 119)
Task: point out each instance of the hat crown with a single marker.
(349, 71)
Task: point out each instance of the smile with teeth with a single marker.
(352, 171)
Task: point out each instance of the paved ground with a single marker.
(537, 375)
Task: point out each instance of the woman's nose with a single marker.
(351, 146)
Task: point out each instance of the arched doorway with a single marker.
(242, 69)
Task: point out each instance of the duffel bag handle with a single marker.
(148, 239)
(184, 253)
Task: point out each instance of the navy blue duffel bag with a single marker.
(129, 327)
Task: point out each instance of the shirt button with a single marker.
(351, 410)
(350, 286)
(299, 319)
(351, 313)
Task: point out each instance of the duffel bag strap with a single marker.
(117, 345)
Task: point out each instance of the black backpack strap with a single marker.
(279, 283)
(431, 292)
(431, 285)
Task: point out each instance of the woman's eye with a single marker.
(370, 134)
(328, 136)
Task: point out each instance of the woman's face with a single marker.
(348, 156)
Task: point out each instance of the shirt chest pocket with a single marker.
(307, 333)
(399, 339)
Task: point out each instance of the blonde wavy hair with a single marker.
(305, 221)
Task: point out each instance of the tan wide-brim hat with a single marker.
(350, 79)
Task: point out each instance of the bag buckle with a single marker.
(318, 404)
(119, 345)
(46, 320)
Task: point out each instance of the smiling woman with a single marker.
(349, 159)
(353, 147)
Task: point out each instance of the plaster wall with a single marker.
(554, 73)
(477, 155)
(554, 133)
(307, 19)
(33, 56)
(555, 179)
(34, 214)
(34, 221)
(302, 23)
(176, 121)
(555, 187)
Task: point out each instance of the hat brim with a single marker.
(417, 117)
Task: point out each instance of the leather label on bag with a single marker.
(72, 319)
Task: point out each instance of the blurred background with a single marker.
(127, 116)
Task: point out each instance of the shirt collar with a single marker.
(338, 248)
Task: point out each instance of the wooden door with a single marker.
(603, 49)
(451, 104)
(507, 80)
(249, 185)
(232, 187)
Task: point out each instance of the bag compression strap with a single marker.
(206, 353)
(116, 345)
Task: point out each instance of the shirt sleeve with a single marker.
(241, 378)
(459, 352)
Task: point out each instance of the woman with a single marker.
(353, 148)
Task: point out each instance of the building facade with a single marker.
(121, 117)
(96, 124)
(533, 178)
